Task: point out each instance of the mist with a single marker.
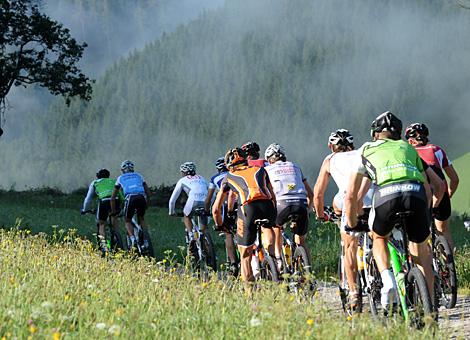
(370, 52)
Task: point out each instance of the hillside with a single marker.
(272, 70)
(461, 199)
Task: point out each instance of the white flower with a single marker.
(101, 325)
(114, 329)
(46, 305)
(255, 322)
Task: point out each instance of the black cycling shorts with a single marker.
(247, 214)
(104, 208)
(289, 207)
(443, 210)
(135, 204)
(400, 197)
(204, 219)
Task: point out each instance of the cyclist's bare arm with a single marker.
(427, 188)
(309, 190)
(147, 193)
(351, 199)
(453, 179)
(271, 191)
(207, 203)
(232, 199)
(113, 198)
(320, 187)
(217, 206)
(365, 186)
(437, 185)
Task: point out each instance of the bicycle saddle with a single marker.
(261, 221)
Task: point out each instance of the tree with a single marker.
(34, 49)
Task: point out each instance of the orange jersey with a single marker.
(249, 182)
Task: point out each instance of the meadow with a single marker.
(55, 285)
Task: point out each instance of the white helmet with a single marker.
(127, 166)
(188, 168)
(274, 150)
(341, 137)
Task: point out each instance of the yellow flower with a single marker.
(204, 285)
(310, 322)
(308, 333)
(119, 311)
(33, 329)
(56, 336)
(66, 297)
(4, 338)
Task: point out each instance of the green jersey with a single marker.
(388, 161)
(104, 188)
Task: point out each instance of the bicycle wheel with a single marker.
(268, 269)
(417, 298)
(446, 274)
(209, 252)
(148, 249)
(373, 292)
(115, 239)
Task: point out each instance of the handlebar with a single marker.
(89, 211)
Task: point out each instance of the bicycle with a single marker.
(412, 292)
(113, 237)
(445, 275)
(143, 242)
(232, 269)
(263, 265)
(200, 248)
(296, 265)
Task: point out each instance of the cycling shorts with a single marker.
(104, 208)
(443, 210)
(247, 214)
(196, 205)
(298, 207)
(400, 197)
(135, 204)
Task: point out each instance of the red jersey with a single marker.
(260, 163)
(435, 157)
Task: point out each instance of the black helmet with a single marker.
(415, 130)
(102, 173)
(341, 137)
(235, 157)
(387, 121)
(251, 149)
(220, 164)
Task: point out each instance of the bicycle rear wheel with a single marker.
(268, 269)
(209, 252)
(417, 297)
(444, 266)
(148, 250)
(375, 287)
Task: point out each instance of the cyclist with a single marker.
(195, 186)
(103, 187)
(397, 170)
(339, 164)
(255, 201)
(228, 221)
(293, 196)
(136, 195)
(252, 152)
(417, 135)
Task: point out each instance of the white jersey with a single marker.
(287, 181)
(196, 189)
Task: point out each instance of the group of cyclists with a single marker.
(383, 177)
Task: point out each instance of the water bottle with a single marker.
(288, 254)
(255, 265)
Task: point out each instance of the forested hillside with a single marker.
(268, 70)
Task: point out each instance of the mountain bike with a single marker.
(113, 237)
(412, 292)
(143, 242)
(296, 265)
(263, 265)
(232, 269)
(445, 275)
(200, 248)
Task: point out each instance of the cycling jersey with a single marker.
(196, 189)
(249, 182)
(435, 157)
(132, 183)
(388, 161)
(103, 188)
(216, 180)
(287, 181)
(257, 162)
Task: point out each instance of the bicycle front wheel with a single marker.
(417, 297)
(268, 269)
(446, 279)
(209, 252)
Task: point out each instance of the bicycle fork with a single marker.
(396, 260)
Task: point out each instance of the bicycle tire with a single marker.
(209, 252)
(416, 289)
(374, 292)
(445, 269)
(268, 269)
(146, 236)
(115, 239)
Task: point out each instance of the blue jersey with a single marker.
(217, 179)
(132, 183)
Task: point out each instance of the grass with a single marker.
(461, 199)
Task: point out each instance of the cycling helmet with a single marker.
(127, 166)
(251, 149)
(102, 173)
(188, 168)
(341, 137)
(416, 130)
(275, 150)
(387, 121)
(220, 164)
(235, 157)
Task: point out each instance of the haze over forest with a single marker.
(225, 73)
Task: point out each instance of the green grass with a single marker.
(461, 199)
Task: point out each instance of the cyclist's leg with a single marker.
(140, 209)
(350, 260)
(441, 218)
(246, 236)
(268, 238)
(230, 246)
(115, 219)
(422, 256)
(188, 223)
(277, 241)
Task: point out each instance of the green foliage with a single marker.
(461, 199)
(37, 50)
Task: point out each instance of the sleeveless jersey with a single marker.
(216, 180)
(194, 186)
(132, 183)
(342, 165)
(388, 161)
(435, 157)
(287, 181)
(249, 182)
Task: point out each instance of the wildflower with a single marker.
(204, 285)
(255, 322)
(66, 297)
(310, 322)
(32, 328)
(46, 305)
(114, 330)
(56, 335)
(100, 325)
(119, 311)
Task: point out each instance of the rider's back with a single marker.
(435, 157)
(194, 186)
(250, 182)
(342, 165)
(287, 180)
(131, 183)
(104, 187)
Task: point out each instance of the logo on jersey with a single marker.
(393, 189)
(291, 186)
